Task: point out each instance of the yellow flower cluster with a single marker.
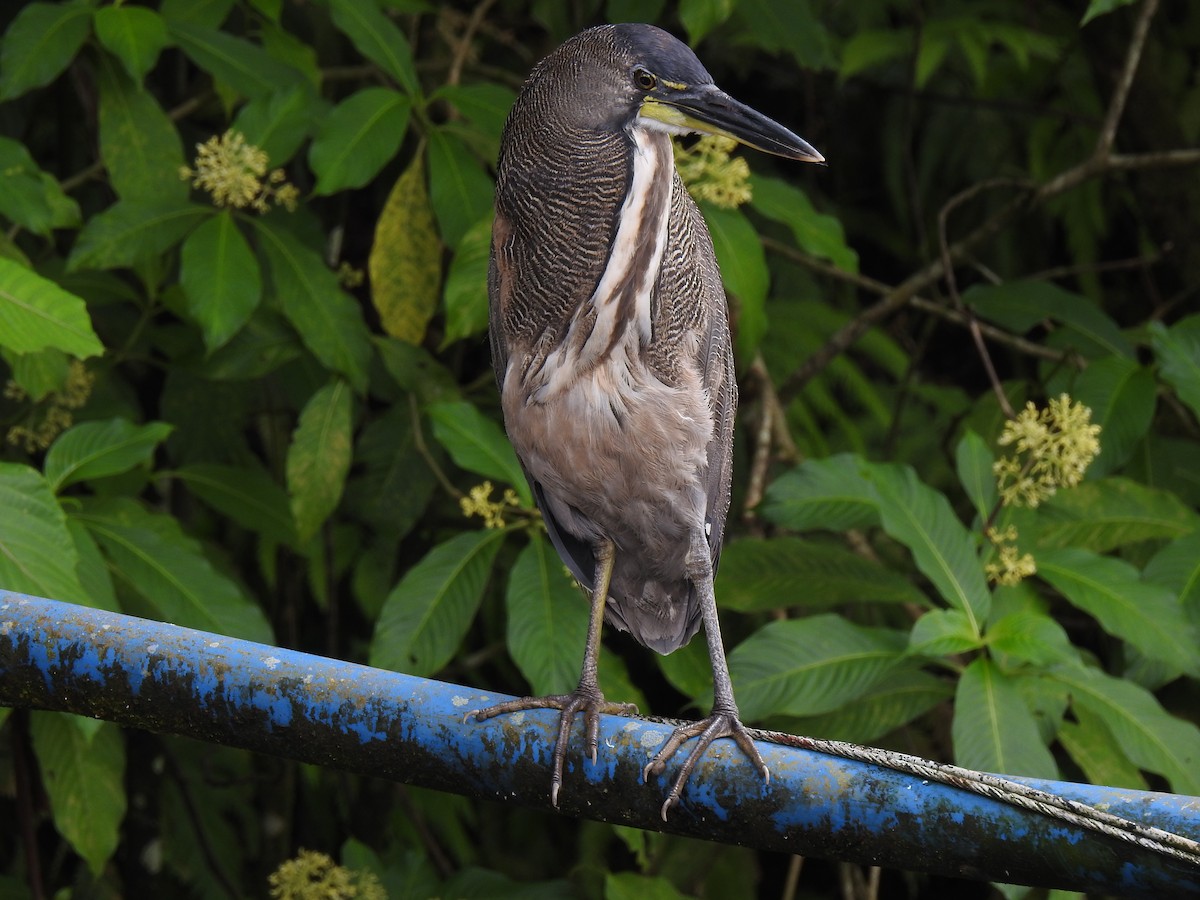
(710, 174)
(478, 502)
(235, 174)
(1010, 566)
(1053, 448)
(56, 415)
(315, 876)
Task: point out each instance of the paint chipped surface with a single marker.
(270, 662)
(459, 700)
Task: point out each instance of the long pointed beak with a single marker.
(709, 110)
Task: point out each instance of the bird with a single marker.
(611, 346)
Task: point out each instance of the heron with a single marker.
(611, 346)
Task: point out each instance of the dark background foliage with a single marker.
(273, 423)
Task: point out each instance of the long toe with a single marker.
(718, 725)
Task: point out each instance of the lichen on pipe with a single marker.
(175, 680)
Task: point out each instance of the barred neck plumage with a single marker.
(620, 308)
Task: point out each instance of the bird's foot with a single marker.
(588, 701)
(718, 725)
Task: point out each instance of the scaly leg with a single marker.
(723, 721)
(586, 698)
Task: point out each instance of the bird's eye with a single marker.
(644, 80)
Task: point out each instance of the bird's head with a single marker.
(616, 77)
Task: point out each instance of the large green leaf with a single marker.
(921, 519)
(35, 314)
(329, 321)
(466, 294)
(406, 260)
(477, 444)
(40, 43)
(1020, 305)
(150, 555)
(1104, 515)
(141, 149)
(233, 61)
(99, 449)
(1091, 745)
(1146, 615)
(993, 728)
(134, 35)
(1177, 566)
(547, 619)
(391, 481)
(1030, 636)
(426, 615)
(814, 232)
(743, 270)
(1178, 352)
(84, 777)
(1120, 394)
(804, 667)
(973, 461)
(826, 493)
(459, 189)
(279, 122)
(941, 632)
(1152, 738)
(377, 38)
(30, 197)
(37, 553)
(892, 703)
(133, 231)
(220, 278)
(790, 572)
(357, 138)
(248, 495)
(318, 458)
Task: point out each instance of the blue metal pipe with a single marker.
(179, 681)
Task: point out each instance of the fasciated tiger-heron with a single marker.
(611, 345)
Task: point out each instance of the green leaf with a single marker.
(133, 231)
(210, 13)
(377, 38)
(761, 575)
(357, 138)
(743, 270)
(1093, 748)
(93, 450)
(973, 461)
(329, 321)
(391, 482)
(30, 197)
(426, 615)
(36, 314)
(1177, 566)
(1103, 515)
(792, 27)
(814, 232)
(318, 458)
(233, 61)
(85, 781)
(466, 295)
(1152, 739)
(826, 493)
(37, 553)
(279, 122)
(803, 667)
(485, 105)
(942, 632)
(699, 17)
(993, 728)
(891, 704)
(921, 519)
(132, 34)
(405, 262)
(477, 444)
(1020, 305)
(141, 149)
(1146, 615)
(39, 44)
(687, 669)
(247, 495)
(872, 47)
(1098, 8)
(459, 189)
(1121, 396)
(92, 570)
(1030, 636)
(547, 619)
(1178, 353)
(150, 554)
(220, 278)
(635, 886)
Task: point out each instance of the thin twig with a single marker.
(1133, 56)
(464, 43)
(423, 449)
(762, 440)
